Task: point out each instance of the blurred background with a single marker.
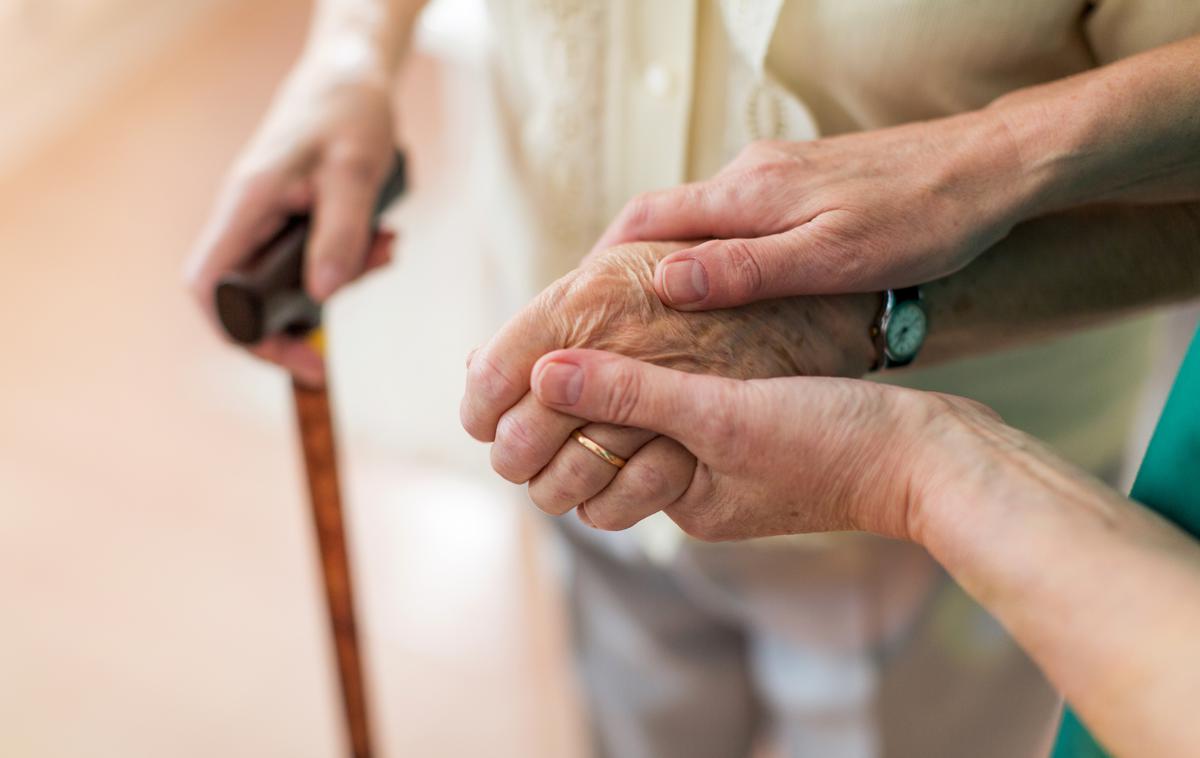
(158, 579)
(159, 584)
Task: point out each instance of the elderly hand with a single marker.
(325, 147)
(854, 213)
(610, 304)
(777, 456)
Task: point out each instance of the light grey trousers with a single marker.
(849, 647)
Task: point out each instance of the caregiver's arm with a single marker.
(904, 205)
(324, 146)
(1127, 131)
(1100, 591)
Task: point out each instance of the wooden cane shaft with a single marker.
(320, 463)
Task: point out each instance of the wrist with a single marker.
(952, 462)
(990, 503)
(346, 58)
(915, 455)
(990, 164)
(1052, 146)
(365, 40)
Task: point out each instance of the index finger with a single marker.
(689, 211)
(606, 387)
(498, 374)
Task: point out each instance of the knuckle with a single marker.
(512, 450)
(486, 383)
(580, 474)
(622, 400)
(760, 150)
(718, 428)
(354, 162)
(504, 467)
(550, 497)
(610, 519)
(637, 213)
(472, 421)
(649, 483)
(340, 241)
(568, 483)
(744, 268)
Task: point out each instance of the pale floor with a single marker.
(157, 575)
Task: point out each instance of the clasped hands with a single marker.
(788, 222)
(599, 351)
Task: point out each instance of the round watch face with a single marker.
(906, 330)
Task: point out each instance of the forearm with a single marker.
(1100, 592)
(1123, 132)
(1064, 272)
(369, 33)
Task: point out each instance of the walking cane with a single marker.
(265, 298)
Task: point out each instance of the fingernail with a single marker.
(560, 383)
(685, 282)
(326, 279)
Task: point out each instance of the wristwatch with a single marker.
(900, 330)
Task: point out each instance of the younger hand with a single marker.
(855, 213)
(325, 146)
(774, 456)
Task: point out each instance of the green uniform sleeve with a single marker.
(1165, 483)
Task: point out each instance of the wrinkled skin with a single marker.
(610, 304)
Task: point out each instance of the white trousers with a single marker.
(854, 647)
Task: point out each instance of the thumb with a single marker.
(731, 272)
(610, 388)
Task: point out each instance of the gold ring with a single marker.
(599, 450)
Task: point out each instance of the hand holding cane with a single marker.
(265, 298)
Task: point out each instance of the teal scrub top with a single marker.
(1165, 483)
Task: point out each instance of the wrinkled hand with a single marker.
(609, 304)
(854, 213)
(776, 456)
(326, 146)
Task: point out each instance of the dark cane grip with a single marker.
(267, 296)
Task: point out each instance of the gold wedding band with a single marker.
(599, 450)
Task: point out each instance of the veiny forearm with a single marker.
(1101, 592)
(1063, 272)
(1123, 132)
(362, 32)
